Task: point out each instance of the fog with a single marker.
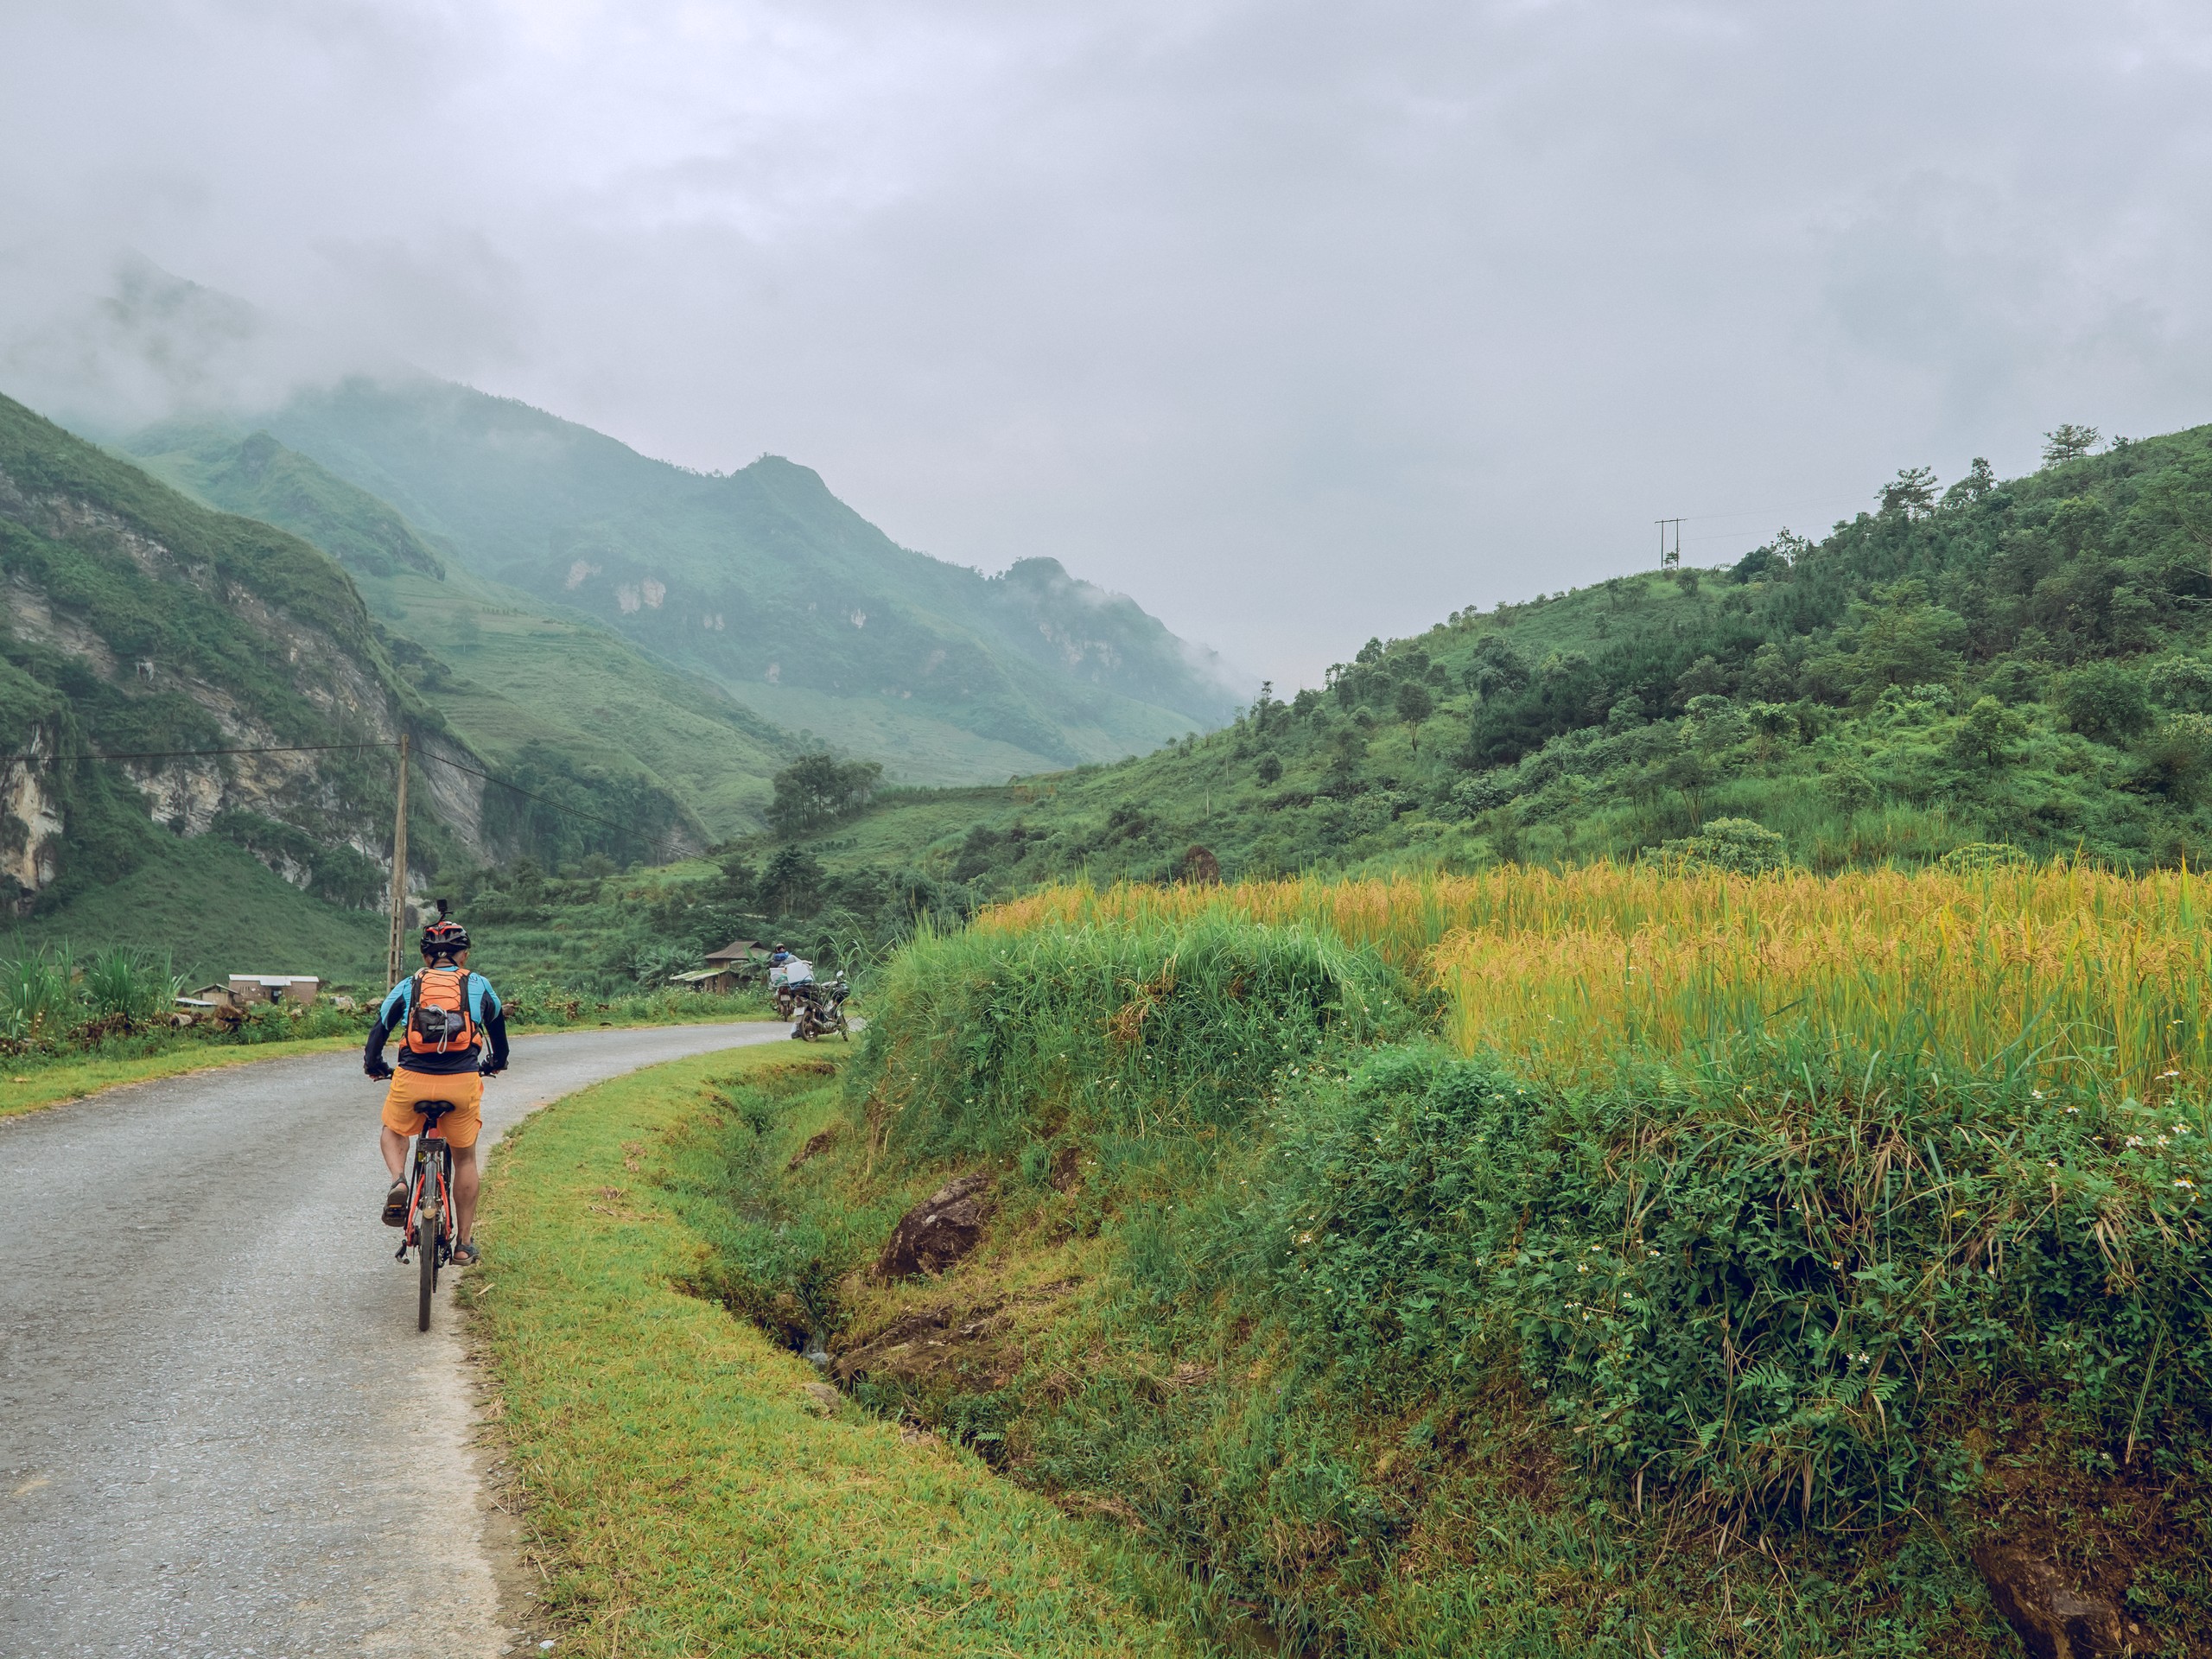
(1298, 323)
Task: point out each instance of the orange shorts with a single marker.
(464, 1088)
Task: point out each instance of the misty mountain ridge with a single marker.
(760, 580)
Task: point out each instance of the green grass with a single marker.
(39, 1078)
(685, 1496)
(1392, 1350)
(29, 1087)
(215, 910)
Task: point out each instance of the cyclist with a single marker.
(438, 1016)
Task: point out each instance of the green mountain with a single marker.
(2025, 662)
(140, 623)
(540, 689)
(764, 583)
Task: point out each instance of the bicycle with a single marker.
(429, 1207)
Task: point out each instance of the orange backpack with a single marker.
(437, 1017)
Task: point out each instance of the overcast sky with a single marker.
(1298, 322)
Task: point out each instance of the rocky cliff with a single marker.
(140, 623)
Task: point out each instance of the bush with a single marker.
(1749, 1292)
(982, 1040)
(1734, 846)
(2105, 701)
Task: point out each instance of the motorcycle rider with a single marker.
(790, 978)
(786, 971)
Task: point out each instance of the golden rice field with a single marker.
(2088, 976)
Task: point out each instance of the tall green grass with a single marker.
(46, 999)
(984, 1038)
(1369, 1315)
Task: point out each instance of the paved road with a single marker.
(220, 1434)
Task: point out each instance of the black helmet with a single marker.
(444, 937)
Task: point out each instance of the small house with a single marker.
(735, 953)
(246, 989)
(714, 982)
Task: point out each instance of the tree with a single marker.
(1984, 737)
(792, 884)
(1911, 493)
(1904, 641)
(2068, 442)
(1496, 666)
(1415, 704)
(2105, 700)
(816, 790)
(1978, 481)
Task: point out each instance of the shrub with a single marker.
(984, 1039)
(1759, 1290)
(1733, 846)
(2105, 701)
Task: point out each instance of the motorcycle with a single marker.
(821, 1011)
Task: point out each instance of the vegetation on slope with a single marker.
(765, 581)
(139, 622)
(2027, 662)
(687, 1494)
(536, 688)
(1733, 1327)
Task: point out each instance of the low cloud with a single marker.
(1296, 323)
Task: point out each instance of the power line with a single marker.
(185, 754)
(1761, 511)
(568, 811)
(328, 748)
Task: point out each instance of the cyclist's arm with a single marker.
(495, 1030)
(372, 1060)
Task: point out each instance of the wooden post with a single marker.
(398, 873)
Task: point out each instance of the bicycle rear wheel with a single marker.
(429, 1218)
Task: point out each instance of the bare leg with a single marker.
(464, 1191)
(395, 1154)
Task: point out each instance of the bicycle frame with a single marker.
(429, 1195)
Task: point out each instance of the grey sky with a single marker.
(1296, 323)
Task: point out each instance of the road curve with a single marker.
(220, 1434)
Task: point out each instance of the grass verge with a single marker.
(28, 1091)
(30, 1084)
(687, 1492)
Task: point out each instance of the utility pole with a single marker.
(1670, 558)
(398, 871)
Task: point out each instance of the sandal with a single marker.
(395, 1205)
(466, 1256)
